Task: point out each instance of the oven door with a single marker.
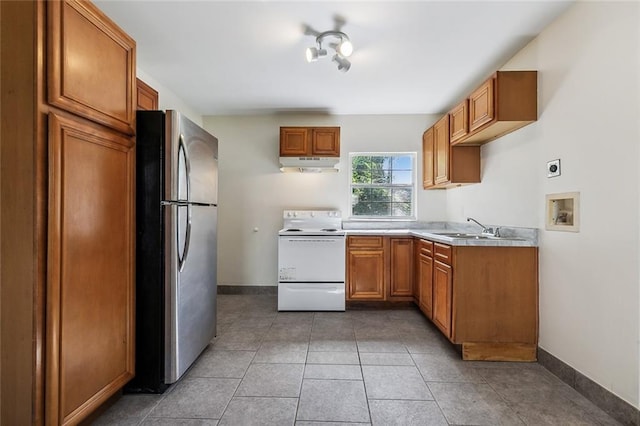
(311, 297)
(308, 259)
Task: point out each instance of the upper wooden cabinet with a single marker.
(445, 165)
(459, 121)
(427, 158)
(309, 141)
(441, 151)
(146, 96)
(91, 65)
(507, 101)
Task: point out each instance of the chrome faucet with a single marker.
(485, 230)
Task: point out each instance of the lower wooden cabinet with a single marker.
(424, 277)
(442, 293)
(90, 275)
(380, 268)
(484, 298)
(366, 268)
(401, 269)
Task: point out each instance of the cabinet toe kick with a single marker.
(481, 351)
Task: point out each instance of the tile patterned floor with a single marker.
(383, 367)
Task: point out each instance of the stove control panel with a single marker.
(312, 219)
(302, 214)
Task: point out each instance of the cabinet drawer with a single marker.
(365, 241)
(442, 253)
(425, 247)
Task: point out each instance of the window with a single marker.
(383, 185)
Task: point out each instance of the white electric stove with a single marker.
(311, 261)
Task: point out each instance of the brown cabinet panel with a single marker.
(146, 96)
(294, 141)
(481, 105)
(441, 150)
(326, 142)
(459, 122)
(401, 268)
(442, 296)
(309, 141)
(427, 159)
(90, 282)
(366, 274)
(91, 65)
(425, 283)
(442, 253)
(368, 241)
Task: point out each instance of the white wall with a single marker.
(253, 192)
(167, 99)
(589, 115)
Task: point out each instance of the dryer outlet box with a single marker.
(553, 168)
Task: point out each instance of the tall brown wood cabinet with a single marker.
(72, 132)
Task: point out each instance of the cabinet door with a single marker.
(294, 141)
(425, 282)
(401, 284)
(441, 150)
(442, 293)
(326, 142)
(427, 158)
(146, 96)
(459, 122)
(91, 65)
(481, 105)
(366, 274)
(90, 267)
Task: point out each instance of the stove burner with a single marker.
(293, 230)
(329, 230)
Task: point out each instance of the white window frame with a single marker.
(414, 186)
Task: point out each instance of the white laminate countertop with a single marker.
(511, 239)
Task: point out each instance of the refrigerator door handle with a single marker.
(187, 164)
(187, 242)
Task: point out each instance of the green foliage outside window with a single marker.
(382, 185)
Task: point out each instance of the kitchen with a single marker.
(589, 315)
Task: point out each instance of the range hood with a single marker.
(309, 164)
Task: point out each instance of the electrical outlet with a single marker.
(553, 168)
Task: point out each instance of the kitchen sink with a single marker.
(475, 236)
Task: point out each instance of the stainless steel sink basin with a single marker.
(475, 236)
(461, 235)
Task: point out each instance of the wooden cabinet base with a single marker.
(499, 352)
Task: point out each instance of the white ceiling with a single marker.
(247, 57)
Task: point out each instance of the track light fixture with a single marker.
(339, 42)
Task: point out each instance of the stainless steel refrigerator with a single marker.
(176, 220)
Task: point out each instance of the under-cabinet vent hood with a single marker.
(309, 164)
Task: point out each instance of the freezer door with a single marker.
(191, 285)
(192, 168)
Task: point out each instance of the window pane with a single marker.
(380, 176)
(401, 209)
(402, 162)
(385, 162)
(402, 177)
(402, 195)
(361, 167)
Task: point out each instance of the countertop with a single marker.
(510, 237)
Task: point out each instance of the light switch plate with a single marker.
(553, 168)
